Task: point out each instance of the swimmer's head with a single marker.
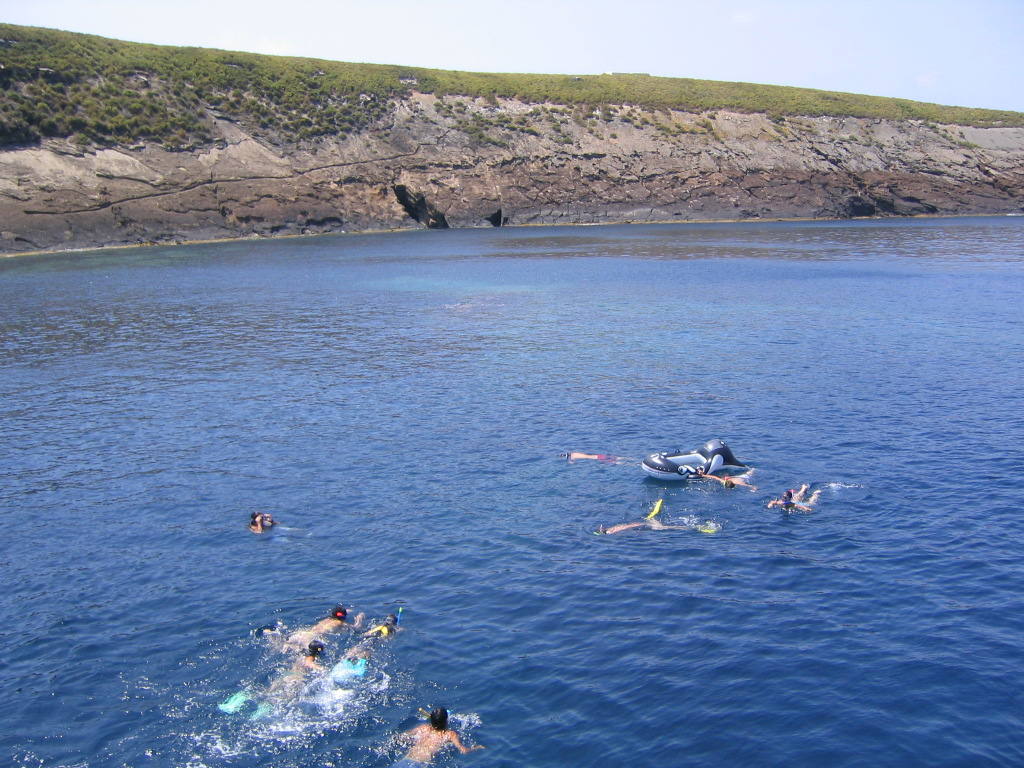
(728, 483)
(254, 517)
(788, 495)
(315, 648)
(439, 719)
(339, 613)
(390, 620)
(601, 529)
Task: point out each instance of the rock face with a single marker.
(492, 164)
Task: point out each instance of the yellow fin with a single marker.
(656, 510)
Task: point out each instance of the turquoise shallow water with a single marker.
(399, 402)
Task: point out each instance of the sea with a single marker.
(401, 403)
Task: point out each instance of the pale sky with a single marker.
(968, 53)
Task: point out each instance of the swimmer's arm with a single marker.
(453, 737)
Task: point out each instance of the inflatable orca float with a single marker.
(679, 465)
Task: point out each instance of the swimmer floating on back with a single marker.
(737, 481)
(429, 739)
(652, 522)
(607, 458)
(791, 500)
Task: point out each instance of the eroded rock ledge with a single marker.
(423, 168)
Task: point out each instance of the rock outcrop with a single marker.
(492, 164)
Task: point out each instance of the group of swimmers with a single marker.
(791, 500)
(307, 646)
(259, 522)
(427, 739)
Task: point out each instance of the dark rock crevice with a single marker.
(496, 219)
(418, 208)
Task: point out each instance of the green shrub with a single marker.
(93, 87)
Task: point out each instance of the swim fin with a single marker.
(234, 702)
(262, 711)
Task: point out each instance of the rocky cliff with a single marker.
(464, 162)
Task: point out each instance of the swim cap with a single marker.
(315, 648)
(339, 612)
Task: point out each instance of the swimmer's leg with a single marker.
(799, 495)
(814, 498)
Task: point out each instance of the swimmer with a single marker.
(607, 458)
(335, 622)
(388, 628)
(656, 525)
(288, 684)
(728, 481)
(429, 739)
(792, 498)
(260, 522)
(352, 665)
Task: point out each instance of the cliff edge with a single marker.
(428, 159)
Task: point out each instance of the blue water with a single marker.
(399, 402)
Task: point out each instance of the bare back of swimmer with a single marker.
(429, 739)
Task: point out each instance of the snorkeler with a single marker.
(353, 665)
(260, 522)
(430, 738)
(792, 498)
(607, 458)
(708, 526)
(287, 684)
(335, 622)
(388, 628)
(727, 480)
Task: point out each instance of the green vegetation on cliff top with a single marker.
(107, 92)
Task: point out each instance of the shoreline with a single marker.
(630, 222)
